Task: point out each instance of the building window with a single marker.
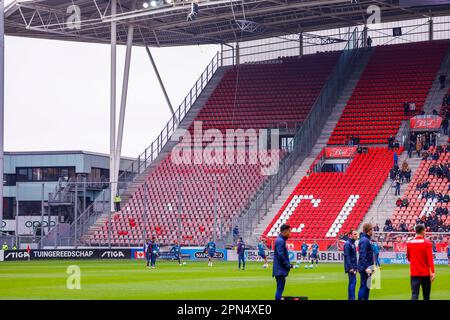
(44, 173)
(9, 179)
(9, 208)
(30, 208)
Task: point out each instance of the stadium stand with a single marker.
(336, 202)
(249, 96)
(395, 74)
(252, 95)
(426, 198)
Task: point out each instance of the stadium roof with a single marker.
(218, 21)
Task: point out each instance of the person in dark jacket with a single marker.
(281, 264)
(147, 251)
(154, 252)
(241, 253)
(351, 263)
(442, 80)
(365, 261)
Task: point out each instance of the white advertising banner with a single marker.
(27, 224)
(294, 256)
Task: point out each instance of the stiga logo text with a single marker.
(16, 255)
(113, 254)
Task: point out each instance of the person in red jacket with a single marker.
(419, 253)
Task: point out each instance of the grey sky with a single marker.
(57, 93)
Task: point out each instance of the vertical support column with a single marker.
(123, 100)
(57, 227)
(2, 100)
(179, 206)
(365, 35)
(145, 210)
(42, 215)
(221, 54)
(215, 208)
(75, 215)
(431, 29)
(112, 111)
(49, 219)
(237, 54)
(17, 214)
(84, 193)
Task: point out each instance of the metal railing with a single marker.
(304, 139)
(386, 240)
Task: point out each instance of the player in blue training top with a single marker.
(262, 252)
(154, 253)
(314, 254)
(241, 253)
(176, 251)
(210, 249)
(304, 252)
(376, 253)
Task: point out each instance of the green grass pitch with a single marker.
(117, 279)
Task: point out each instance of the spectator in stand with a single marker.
(406, 172)
(411, 147)
(402, 226)
(406, 108)
(412, 108)
(395, 159)
(405, 203)
(442, 80)
(445, 126)
(419, 146)
(431, 194)
(399, 202)
(369, 42)
(376, 228)
(397, 185)
(235, 234)
(388, 226)
(391, 140)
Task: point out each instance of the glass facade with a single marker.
(44, 174)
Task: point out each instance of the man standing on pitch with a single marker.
(210, 249)
(262, 252)
(154, 253)
(176, 251)
(241, 253)
(365, 262)
(281, 265)
(148, 251)
(419, 253)
(351, 263)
